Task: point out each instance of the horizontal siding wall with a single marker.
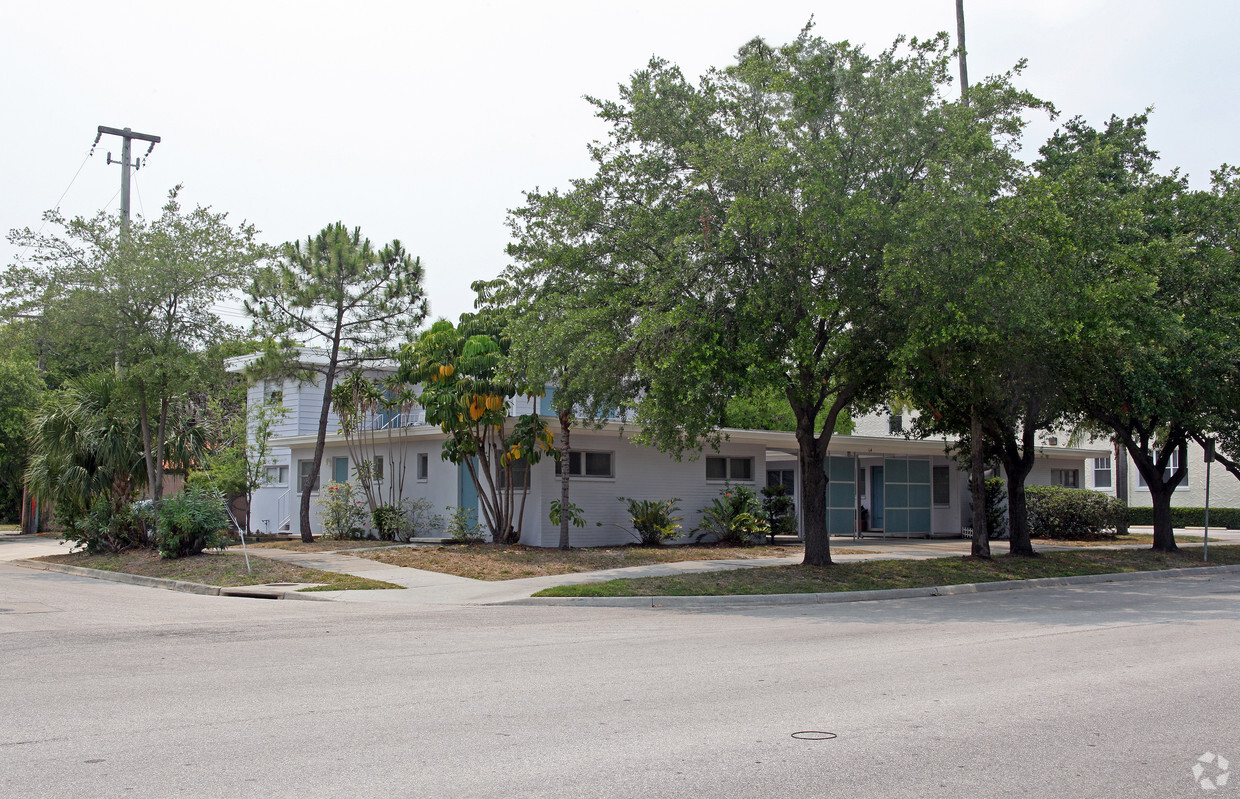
(642, 473)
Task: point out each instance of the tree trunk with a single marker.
(977, 489)
(1017, 466)
(329, 378)
(811, 453)
(1160, 498)
(565, 449)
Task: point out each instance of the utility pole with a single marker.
(127, 137)
(964, 69)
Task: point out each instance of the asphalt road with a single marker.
(1097, 691)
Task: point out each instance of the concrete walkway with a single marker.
(427, 588)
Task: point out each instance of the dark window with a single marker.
(303, 473)
(1068, 478)
(942, 481)
(895, 424)
(597, 464)
(1102, 472)
(520, 468)
(782, 477)
(739, 469)
(423, 465)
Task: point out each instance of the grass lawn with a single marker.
(10, 528)
(513, 562)
(1143, 539)
(224, 569)
(880, 574)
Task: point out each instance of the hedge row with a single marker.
(1189, 517)
(1073, 513)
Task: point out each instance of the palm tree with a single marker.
(84, 446)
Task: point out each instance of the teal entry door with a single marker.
(876, 497)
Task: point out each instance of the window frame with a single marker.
(424, 467)
(1058, 478)
(1109, 470)
(729, 461)
(1172, 465)
(581, 461)
(280, 468)
(304, 465)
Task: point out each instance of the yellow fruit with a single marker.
(494, 402)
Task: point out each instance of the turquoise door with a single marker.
(466, 491)
(876, 498)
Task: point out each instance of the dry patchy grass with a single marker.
(513, 562)
(318, 544)
(883, 574)
(222, 569)
(1135, 539)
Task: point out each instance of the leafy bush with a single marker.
(343, 514)
(1189, 517)
(190, 522)
(100, 529)
(463, 526)
(1075, 514)
(996, 507)
(417, 518)
(576, 516)
(388, 522)
(735, 518)
(654, 520)
(780, 510)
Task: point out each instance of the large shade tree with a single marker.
(354, 302)
(139, 301)
(732, 237)
(1162, 356)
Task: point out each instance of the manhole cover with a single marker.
(813, 735)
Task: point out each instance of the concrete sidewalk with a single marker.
(426, 588)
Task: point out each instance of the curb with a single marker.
(838, 597)
(251, 592)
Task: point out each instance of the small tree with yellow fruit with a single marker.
(467, 389)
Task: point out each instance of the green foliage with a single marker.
(102, 528)
(1074, 514)
(343, 514)
(190, 522)
(388, 522)
(336, 291)
(734, 518)
(731, 239)
(779, 510)
(1228, 518)
(766, 408)
(996, 507)
(21, 389)
(86, 444)
(142, 304)
(654, 520)
(576, 516)
(463, 526)
(467, 389)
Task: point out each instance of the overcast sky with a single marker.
(426, 121)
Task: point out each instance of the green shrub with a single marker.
(779, 510)
(388, 522)
(342, 513)
(735, 518)
(100, 529)
(996, 507)
(1189, 517)
(654, 520)
(463, 526)
(1075, 514)
(190, 522)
